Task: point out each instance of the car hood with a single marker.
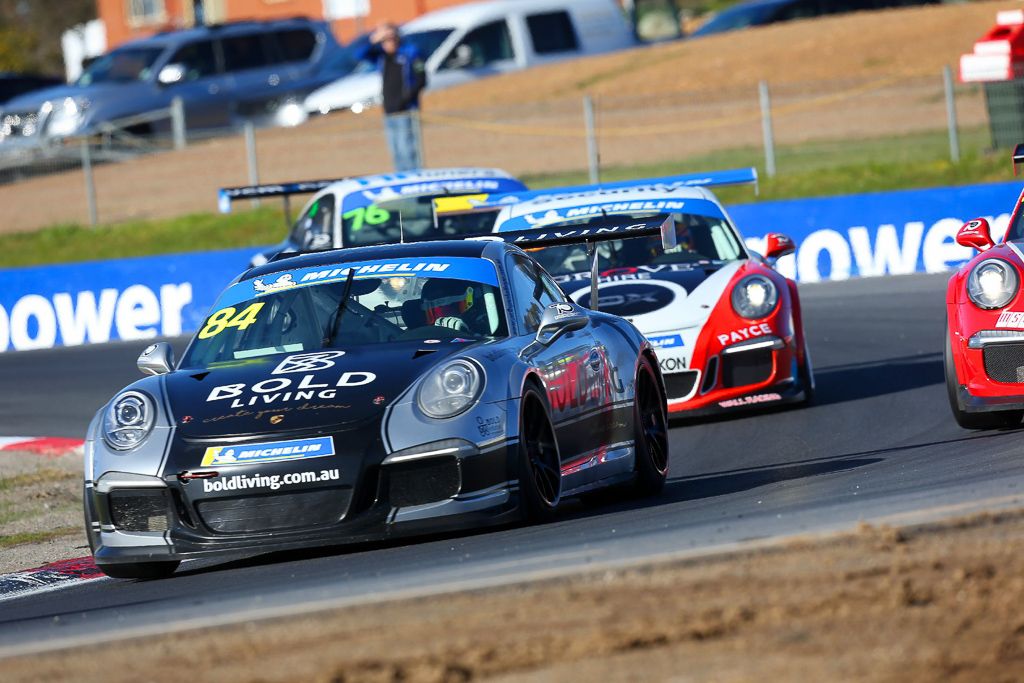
(344, 92)
(34, 100)
(299, 391)
(657, 298)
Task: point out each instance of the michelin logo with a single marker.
(279, 451)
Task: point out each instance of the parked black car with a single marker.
(761, 12)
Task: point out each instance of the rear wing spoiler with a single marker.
(479, 203)
(606, 230)
(226, 195)
(1018, 158)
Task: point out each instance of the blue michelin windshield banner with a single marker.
(837, 238)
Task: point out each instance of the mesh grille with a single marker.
(1005, 362)
(426, 481)
(274, 512)
(680, 384)
(139, 510)
(748, 367)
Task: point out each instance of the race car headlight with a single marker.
(992, 284)
(65, 117)
(754, 297)
(450, 389)
(128, 420)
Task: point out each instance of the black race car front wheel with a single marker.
(650, 419)
(540, 466)
(139, 570)
(991, 420)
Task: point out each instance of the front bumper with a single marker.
(990, 370)
(137, 518)
(749, 375)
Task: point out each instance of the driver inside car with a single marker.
(456, 305)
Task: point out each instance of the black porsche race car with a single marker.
(372, 392)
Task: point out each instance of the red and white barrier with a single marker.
(41, 445)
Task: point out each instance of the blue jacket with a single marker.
(413, 70)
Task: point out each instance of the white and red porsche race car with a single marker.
(726, 326)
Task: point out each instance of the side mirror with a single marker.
(171, 74)
(976, 234)
(157, 359)
(559, 319)
(778, 245)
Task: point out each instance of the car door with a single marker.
(483, 51)
(571, 368)
(203, 87)
(257, 73)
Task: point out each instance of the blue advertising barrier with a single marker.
(885, 233)
(88, 303)
(837, 238)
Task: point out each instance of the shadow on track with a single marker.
(840, 383)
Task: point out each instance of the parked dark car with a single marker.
(224, 74)
(761, 12)
(12, 85)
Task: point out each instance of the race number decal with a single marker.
(225, 318)
(366, 215)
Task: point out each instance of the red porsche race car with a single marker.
(984, 354)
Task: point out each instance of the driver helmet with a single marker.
(446, 298)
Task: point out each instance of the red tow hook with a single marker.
(189, 476)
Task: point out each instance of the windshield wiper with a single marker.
(340, 310)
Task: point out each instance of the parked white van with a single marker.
(479, 39)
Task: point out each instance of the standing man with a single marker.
(404, 77)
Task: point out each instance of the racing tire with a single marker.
(805, 374)
(540, 465)
(139, 570)
(990, 420)
(650, 420)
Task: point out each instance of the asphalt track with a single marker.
(878, 442)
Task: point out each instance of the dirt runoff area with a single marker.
(879, 604)
(40, 510)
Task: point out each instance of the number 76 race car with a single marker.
(373, 392)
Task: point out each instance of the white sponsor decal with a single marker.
(242, 482)
(307, 362)
(284, 389)
(136, 312)
(749, 400)
(285, 281)
(744, 333)
(1011, 319)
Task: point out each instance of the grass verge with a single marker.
(809, 170)
(24, 537)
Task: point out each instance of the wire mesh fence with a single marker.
(813, 125)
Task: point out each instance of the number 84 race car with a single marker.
(372, 392)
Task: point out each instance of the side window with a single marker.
(552, 32)
(244, 52)
(532, 295)
(296, 44)
(481, 46)
(315, 228)
(197, 58)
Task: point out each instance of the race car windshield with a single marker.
(408, 219)
(281, 316)
(699, 240)
(121, 66)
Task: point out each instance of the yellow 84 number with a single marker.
(225, 318)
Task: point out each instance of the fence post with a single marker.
(90, 184)
(954, 135)
(418, 123)
(766, 128)
(178, 122)
(593, 156)
(250, 155)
